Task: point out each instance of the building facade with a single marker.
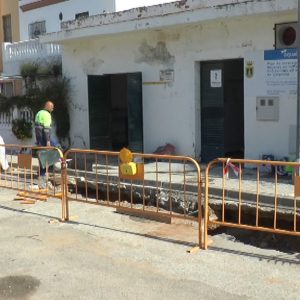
(43, 16)
(9, 24)
(176, 73)
(9, 33)
(205, 77)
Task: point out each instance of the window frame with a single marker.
(7, 30)
(31, 32)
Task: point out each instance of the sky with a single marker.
(128, 4)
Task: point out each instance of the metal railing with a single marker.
(6, 118)
(20, 171)
(164, 187)
(245, 194)
(250, 197)
(29, 49)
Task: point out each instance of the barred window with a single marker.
(36, 29)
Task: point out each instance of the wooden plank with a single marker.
(32, 195)
(154, 216)
(28, 201)
(24, 161)
(193, 250)
(21, 194)
(53, 221)
(58, 195)
(45, 199)
(297, 186)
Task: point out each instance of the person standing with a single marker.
(3, 161)
(43, 122)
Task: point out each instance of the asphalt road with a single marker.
(104, 255)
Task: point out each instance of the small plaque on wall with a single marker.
(166, 75)
(216, 78)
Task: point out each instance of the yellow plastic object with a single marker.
(128, 169)
(125, 156)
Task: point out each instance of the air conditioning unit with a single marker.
(286, 35)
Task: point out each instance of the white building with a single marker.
(202, 75)
(177, 73)
(43, 16)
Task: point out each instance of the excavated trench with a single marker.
(284, 218)
(261, 239)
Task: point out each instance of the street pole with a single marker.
(298, 90)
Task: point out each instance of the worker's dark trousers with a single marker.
(40, 141)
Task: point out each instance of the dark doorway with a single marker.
(115, 111)
(222, 109)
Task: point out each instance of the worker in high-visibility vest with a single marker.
(43, 122)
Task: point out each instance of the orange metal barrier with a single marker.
(19, 170)
(253, 195)
(165, 186)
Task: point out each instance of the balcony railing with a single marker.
(29, 49)
(16, 54)
(6, 119)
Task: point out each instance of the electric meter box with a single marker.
(267, 108)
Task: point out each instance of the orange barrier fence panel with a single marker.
(254, 195)
(157, 185)
(20, 171)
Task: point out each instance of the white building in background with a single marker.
(38, 17)
(202, 75)
(129, 4)
(43, 16)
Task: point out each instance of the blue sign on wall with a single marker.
(281, 54)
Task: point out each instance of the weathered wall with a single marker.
(171, 111)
